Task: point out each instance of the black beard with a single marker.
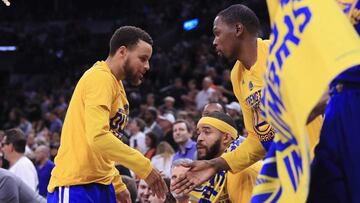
(212, 151)
(129, 74)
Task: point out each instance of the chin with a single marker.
(136, 83)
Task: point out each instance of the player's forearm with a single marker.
(248, 153)
(105, 143)
(111, 147)
(219, 164)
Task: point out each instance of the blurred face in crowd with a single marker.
(41, 154)
(148, 141)
(148, 117)
(212, 107)
(169, 104)
(137, 62)
(178, 83)
(175, 173)
(150, 99)
(6, 147)
(232, 112)
(155, 199)
(181, 133)
(133, 127)
(144, 192)
(210, 142)
(206, 83)
(226, 41)
(192, 84)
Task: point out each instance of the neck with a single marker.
(248, 58)
(115, 67)
(42, 162)
(14, 158)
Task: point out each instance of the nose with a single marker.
(200, 138)
(215, 42)
(147, 66)
(147, 191)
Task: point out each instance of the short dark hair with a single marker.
(128, 36)
(239, 13)
(187, 124)
(17, 138)
(222, 116)
(140, 123)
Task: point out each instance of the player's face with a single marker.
(137, 62)
(180, 133)
(208, 142)
(224, 39)
(144, 192)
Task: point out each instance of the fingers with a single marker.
(157, 184)
(182, 186)
(180, 181)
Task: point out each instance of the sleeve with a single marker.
(119, 185)
(98, 97)
(9, 191)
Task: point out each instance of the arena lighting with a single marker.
(6, 2)
(191, 24)
(8, 48)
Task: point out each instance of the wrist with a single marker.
(219, 164)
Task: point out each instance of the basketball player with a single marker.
(98, 112)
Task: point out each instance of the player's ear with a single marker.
(122, 51)
(227, 138)
(239, 29)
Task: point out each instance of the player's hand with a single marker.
(157, 184)
(123, 197)
(199, 172)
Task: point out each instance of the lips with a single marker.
(199, 147)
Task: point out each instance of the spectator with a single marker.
(137, 137)
(14, 190)
(182, 133)
(131, 186)
(25, 124)
(44, 167)
(150, 117)
(177, 170)
(203, 97)
(189, 98)
(234, 110)
(163, 158)
(211, 107)
(168, 106)
(166, 123)
(145, 194)
(55, 122)
(150, 141)
(13, 147)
